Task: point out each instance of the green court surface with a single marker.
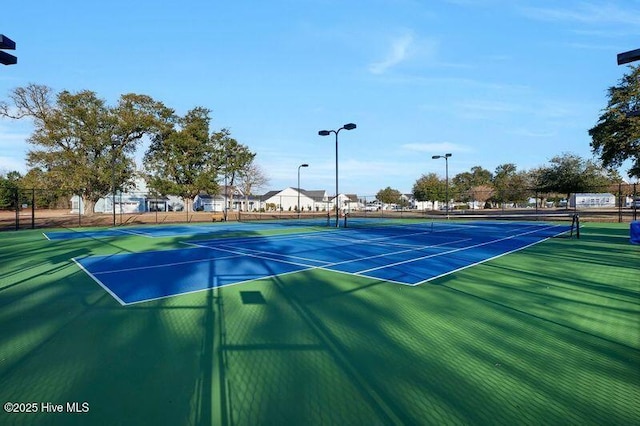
(546, 335)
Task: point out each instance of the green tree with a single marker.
(429, 187)
(569, 174)
(510, 185)
(473, 185)
(389, 195)
(84, 144)
(616, 136)
(9, 190)
(233, 158)
(46, 194)
(182, 160)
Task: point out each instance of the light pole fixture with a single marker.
(348, 126)
(301, 165)
(446, 160)
(7, 44)
(630, 56)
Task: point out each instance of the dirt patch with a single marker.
(64, 219)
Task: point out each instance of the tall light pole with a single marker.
(226, 193)
(446, 160)
(348, 126)
(114, 144)
(301, 165)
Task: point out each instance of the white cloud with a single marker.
(398, 52)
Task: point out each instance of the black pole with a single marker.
(33, 208)
(634, 201)
(348, 126)
(17, 202)
(446, 166)
(619, 202)
(337, 198)
(113, 182)
(80, 208)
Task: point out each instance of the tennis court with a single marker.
(415, 322)
(405, 254)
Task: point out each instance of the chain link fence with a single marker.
(44, 208)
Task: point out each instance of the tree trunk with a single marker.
(89, 206)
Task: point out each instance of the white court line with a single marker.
(454, 251)
(210, 288)
(262, 255)
(370, 240)
(93, 277)
(323, 267)
(139, 268)
(231, 250)
(277, 254)
(132, 232)
(483, 261)
(394, 253)
(254, 238)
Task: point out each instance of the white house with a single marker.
(235, 198)
(424, 205)
(287, 200)
(208, 203)
(135, 199)
(347, 203)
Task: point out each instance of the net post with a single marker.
(576, 223)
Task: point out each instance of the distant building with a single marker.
(592, 200)
(136, 199)
(287, 200)
(208, 203)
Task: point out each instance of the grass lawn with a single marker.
(546, 335)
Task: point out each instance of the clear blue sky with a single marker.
(490, 81)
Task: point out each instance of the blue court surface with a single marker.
(162, 231)
(408, 255)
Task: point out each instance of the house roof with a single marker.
(316, 194)
(270, 194)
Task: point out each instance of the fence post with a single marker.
(17, 204)
(80, 207)
(619, 202)
(634, 198)
(33, 208)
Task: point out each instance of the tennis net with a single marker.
(416, 220)
(570, 221)
(285, 218)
